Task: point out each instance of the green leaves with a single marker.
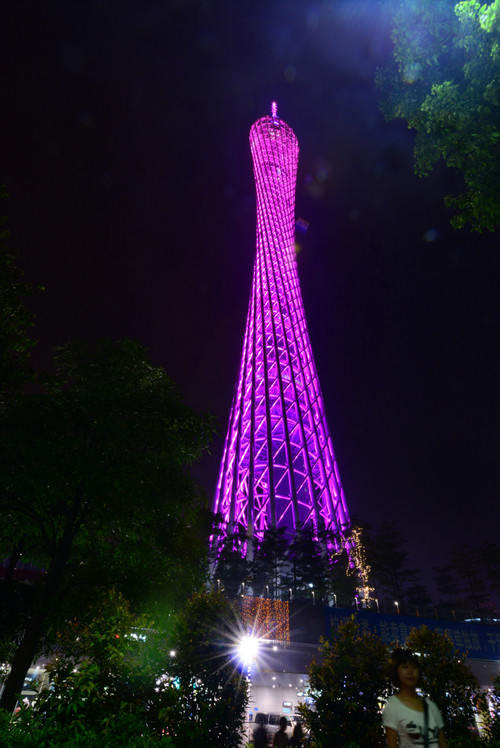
(104, 447)
(94, 484)
(445, 82)
(446, 679)
(205, 697)
(346, 684)
(349, 681)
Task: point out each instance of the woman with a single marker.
(297, 739)
(407, 714)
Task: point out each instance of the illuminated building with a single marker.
(278, 467)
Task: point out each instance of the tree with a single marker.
(342, 579)
(15, 372)
(346, 569)
(490, 712)
(205, 697)
(231, 568)
(446, 679)
(387, 559)
(116, 680)
(446, 585)
(418, 596)
(269, 553)
(94, 481)
(444, 81)
(346, 685)
(488, 558)
(103, 677)
(474, 585)
(307, 564)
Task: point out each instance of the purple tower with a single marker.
(278, 468)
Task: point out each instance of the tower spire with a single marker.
(278, 467)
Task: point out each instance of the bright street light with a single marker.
(248, 649)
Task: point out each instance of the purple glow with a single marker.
(278, 468)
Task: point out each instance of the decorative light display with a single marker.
(362, 567)
(266, 619)
(278, 467)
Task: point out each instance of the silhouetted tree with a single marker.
(93, 478)
(269, 559)
(308, 564)
(231, 568)
(387, 559)
(474, 586)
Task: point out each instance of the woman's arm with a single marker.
(443, 743)
(391, 738)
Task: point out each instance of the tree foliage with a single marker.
(341, 578)
(446, 679)
(470, 584)
(444, 80)
(116, 681)
(205, 700)
(349, 681)
(346, 684)
(280, 562)
(491, 712)
(103, 676)
(231, 568)
(387, 557)
(269, 554)
(94, 485)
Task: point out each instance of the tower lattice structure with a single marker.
(278, 467)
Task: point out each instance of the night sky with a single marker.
(125, 150)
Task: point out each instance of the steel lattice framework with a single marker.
(278, 467)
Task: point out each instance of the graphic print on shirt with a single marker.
(416, 733)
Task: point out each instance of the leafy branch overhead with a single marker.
(444, 80)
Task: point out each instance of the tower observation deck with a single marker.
(278, 467)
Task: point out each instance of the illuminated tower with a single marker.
(278, 468)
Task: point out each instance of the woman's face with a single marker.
(408, 674)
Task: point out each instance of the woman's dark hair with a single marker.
(401, 657)
(297, 730)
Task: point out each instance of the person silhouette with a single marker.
(259, 736)
(281, 739)
(298, 736)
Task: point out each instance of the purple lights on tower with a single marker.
(278, 468)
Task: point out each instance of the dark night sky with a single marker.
(125, 150)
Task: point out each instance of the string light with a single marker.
(267, 619)
(358, 555)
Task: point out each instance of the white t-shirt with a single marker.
(409, 724)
